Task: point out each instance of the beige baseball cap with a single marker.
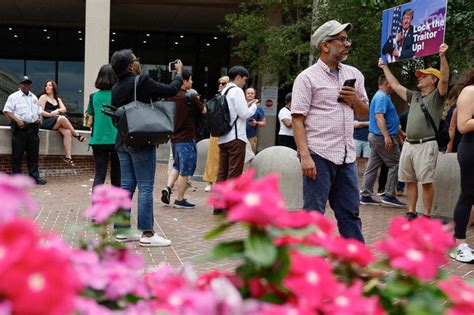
(330, 28)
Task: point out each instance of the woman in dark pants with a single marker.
(138, 164)
(103, 135)
(462, 211)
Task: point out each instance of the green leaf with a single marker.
(227, 249)
(280, 268)
(397, 289)
(217, 231)
(260, 249)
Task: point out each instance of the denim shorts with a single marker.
(185, 157)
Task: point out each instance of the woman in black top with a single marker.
(138, 164)
(54, 119)
(462, 211)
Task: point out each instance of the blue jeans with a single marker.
(338, 183)
(138, 168)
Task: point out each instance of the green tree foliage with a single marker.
(281, 50)
(284, 50)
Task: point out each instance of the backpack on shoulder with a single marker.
(218, 115)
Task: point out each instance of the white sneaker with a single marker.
(132, 237)
(154, 241)
(208, 188)
(463, 253)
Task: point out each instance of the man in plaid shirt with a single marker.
(323, 128)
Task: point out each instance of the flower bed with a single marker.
(290, 263)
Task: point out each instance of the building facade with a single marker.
(69, 40)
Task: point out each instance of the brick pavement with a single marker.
(63, 200)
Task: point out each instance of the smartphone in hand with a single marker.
(349, 82)
(171, 65)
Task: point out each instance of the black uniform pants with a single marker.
(25, 140)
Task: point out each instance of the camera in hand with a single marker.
(349, 82)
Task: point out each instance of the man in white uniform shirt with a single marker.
(232, 145)
(24, 112)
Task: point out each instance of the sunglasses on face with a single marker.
(222, 83)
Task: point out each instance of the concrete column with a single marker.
(96, 44)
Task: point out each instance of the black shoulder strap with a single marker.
(227, 91)
(91, 104)
(429, 118)
(235, 121)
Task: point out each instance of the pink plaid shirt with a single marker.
(329, 124)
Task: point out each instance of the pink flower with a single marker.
(17, 237)
(42, 282)
(311, 279)
(257, 202)
(460, 294)
(227, 194)
(418, 247)
(164, 281)
(106, 200)
(5, 308)
(121, 280)
(204, 279)
(193, 302)
(87, 306)
(352, 301)
(286, 309)
(13, 194)
(350, 250)
(89, 269)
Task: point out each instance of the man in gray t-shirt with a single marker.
(420, 152)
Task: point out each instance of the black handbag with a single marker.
(441, 133)
(145, 123)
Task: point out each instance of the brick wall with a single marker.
(53, 165)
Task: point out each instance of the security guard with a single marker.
(24, 111)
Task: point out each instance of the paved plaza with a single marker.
(63, 200)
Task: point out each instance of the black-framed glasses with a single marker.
(222, 83)
(344, 40)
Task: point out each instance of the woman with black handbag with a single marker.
(138, 163)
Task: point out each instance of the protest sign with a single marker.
(414, 29)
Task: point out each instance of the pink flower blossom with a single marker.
(5, 308)
(352, 301)
(13, 194)
(121, 280)
(42, 282)
(227, 194)
(164, 281)
(418, 247)
(89, 269)
(204, 279)
(460, 294)
(192, 302)
(106, 200)
(87, 306)
(257, 202)
(286, 309)
(17, 237)
(350, 250)
(310, 279)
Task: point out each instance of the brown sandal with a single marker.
(68, 161)
(80, 138)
